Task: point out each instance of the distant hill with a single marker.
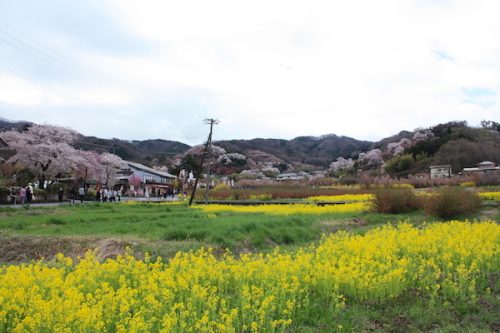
(317, 151)
(148, 152)
(6, 125)
(453, 143)
(394, 138)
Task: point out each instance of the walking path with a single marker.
(77, 202)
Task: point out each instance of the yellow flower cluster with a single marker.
(489, 195)
(163, 203)
(341, 198)
(287, 209)
(263, 196)
(402, 185)
(197, 292)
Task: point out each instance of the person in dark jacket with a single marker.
(60, 194)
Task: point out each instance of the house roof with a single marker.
(440, 166)
(150, 170)
(480, 169)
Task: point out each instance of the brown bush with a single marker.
(395, 201)
(451, 202)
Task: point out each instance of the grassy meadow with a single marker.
(163, 229)
(264, 268)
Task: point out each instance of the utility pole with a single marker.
(211, 122)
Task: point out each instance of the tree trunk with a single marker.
(41, 182)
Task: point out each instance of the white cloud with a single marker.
(365, 69)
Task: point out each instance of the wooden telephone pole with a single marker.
(208, 145)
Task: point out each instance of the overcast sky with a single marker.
(148, 69)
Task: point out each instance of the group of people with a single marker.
(25, 195)
(73, 194)
(106, 195)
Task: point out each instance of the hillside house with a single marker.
(440, 171)
(289, 176)
(485, 167)
(152, 182)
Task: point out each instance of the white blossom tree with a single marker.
(372, 158)
(341, 164)
(46, 151)
(110, 165)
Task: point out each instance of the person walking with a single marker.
(60, 194)
(98, 195)
(22, 196)
(13, 195)
(29, 194)
(81, 193)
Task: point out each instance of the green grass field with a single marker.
(164, 229)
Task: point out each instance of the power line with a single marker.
(82, 105)
(73, 66)
(64, 63)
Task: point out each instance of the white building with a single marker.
(152, 182)
(485, 167)
(440, 171)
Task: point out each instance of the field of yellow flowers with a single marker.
(490, 195)
(291, 209)
(341, 198)
(275, 292)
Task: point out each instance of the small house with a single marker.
(440, 171)
(150, 182)
(485, 167)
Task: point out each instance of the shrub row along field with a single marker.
(444, 264)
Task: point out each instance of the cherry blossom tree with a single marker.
(371, 159)
(43, 149)
(110, 165)
(341, 164)
(47, 152)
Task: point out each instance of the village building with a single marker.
(440, 171)
(485, 167)
(420, 176)
(289, 176)
(152, 182)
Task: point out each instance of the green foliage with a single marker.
(490, 124)
(457, 144)
(4, 195)
(452, 202)
(24, 176)
(400, 165)
(190, 163)
(464, 153)
(395, 201)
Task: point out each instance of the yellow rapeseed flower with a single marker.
(198, 292)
